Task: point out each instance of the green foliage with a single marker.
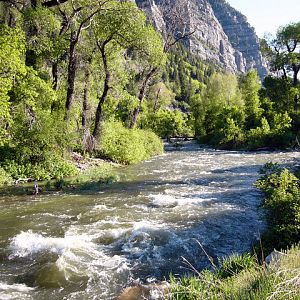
(250, 87)
(168, 123)
(186, 73)
(5, 178)
(127, 146)
(11, 64)
(230, 114)
(222, 90)
(52, 168)
(37, 133)
(253, 283)
(219, 112)
(282, 201)
(284, 58)
(278, 91)
(235, 264)
(259, 136)
(44, 41)
(229, 127)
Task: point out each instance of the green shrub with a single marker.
(152, 143)
(282, 202)
(168, 123)
(53, 168)
(235, 264)
(256, 283)
(5, 178)
(128, 146)
(259, 136)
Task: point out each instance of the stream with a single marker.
(91, 244)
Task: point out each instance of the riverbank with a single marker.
(252, 276)
(237, 280)
(89, 172)
(118, 144)
(96, 242)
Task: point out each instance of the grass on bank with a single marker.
(93, 178)
(237, 279)
(118, 144)
(242, 277)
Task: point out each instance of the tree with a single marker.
(285, 57)
(217, 101)
(12, 49)
(151, 58)
(78, 20)
(250, 87)
(123, 26)
(177, 29)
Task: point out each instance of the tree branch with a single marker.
(52, 3)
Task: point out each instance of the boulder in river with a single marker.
(141, 292)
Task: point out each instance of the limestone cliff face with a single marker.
(221, 34)
(241, 34)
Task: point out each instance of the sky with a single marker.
(267, 15)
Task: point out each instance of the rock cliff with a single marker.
(241, 34)
(221, 35)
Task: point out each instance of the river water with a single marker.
(91, 244)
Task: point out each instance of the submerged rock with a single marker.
(150, 292)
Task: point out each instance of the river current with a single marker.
(92, 244)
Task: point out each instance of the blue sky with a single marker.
(268, 15)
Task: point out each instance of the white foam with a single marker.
(103, 207)
(29, 243)
(115, 233)
(15, 287)
(204, 173)
(77, 257)
(95, 265)
(147, 225)
(63, 216)
(159, 171)
(14, 291)
(162, 200)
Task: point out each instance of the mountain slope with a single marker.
(241, 34)
(221, 35)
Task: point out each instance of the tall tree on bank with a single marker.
(285, 56)
(177, 29)
(250, 87)
(79, 20)
(12, 49)
(122, 26)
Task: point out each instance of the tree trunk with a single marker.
(33, 3)
(295, 83)
(71, 71)
(135, 116)
(55, 75)
(99, 111)
(141, 97)
(53, 3)
(8, 17)
(85, 97)
(156, 100)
